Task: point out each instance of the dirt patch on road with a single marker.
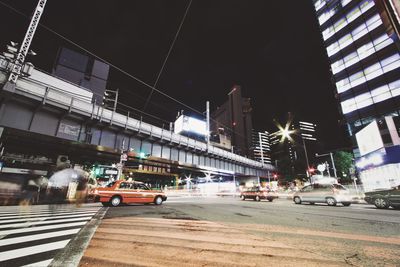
(354, 249)
(180, 242)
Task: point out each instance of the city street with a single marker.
(199, 133)
(227, 231)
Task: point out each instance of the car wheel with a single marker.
(297, 200)
(381, 203)
(158, 200)
(346, 204)
(257, 198)
(270, 199)
(115, 201)
(105, 204)
(242, 197)
(331, 201)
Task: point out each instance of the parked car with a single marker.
(384, 199)
(256, 193)
(118, 192)
(323, 193)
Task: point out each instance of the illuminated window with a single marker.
(356, 34)
(362, 52)
(363, 100)
(319, 4)
(381, 94)
(377, 95)
(348, 106)
(344, 21)
(373, 71)
(345, 2)
(369, 73)
(364, 6)
(353, 14)
(357, 78)
(391, 63)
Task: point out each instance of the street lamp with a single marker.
(333, 162)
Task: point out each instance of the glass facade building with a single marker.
(261, 147)
(362, 43)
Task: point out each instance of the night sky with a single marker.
(273, 49)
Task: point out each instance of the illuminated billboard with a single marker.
(185, 124)
(369, 139)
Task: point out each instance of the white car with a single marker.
(330, 194)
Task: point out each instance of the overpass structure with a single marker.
(42, 117)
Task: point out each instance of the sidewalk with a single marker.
(144, 241)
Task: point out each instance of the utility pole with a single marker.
(333, 165)
(24, 48)
(208, 123)
(122, 158)
(327, 168)
(305, 152)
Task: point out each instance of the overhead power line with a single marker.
(166, 58)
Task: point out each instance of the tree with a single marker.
(343, 163)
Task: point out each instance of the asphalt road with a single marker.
(359, 235)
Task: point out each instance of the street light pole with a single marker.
(121, 160)
(333, 165)
(208, 124)
(305, 152)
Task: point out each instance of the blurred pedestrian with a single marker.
(82, 188)
(29, 193)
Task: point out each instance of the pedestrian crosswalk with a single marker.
(33, 235)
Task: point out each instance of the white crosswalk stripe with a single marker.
(33, 235)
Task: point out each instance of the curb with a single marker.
(71, 255)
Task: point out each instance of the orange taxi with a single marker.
(117, 192)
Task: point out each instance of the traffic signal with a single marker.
(110, 99)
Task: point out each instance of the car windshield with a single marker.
(339, 187)
(110, 184)
(140, 186)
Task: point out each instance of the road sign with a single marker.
(321, 167)
(124, 157)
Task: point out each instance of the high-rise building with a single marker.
(261, 147)
(362, 43)
(82, 70)
(296, 149)
(234, 117)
